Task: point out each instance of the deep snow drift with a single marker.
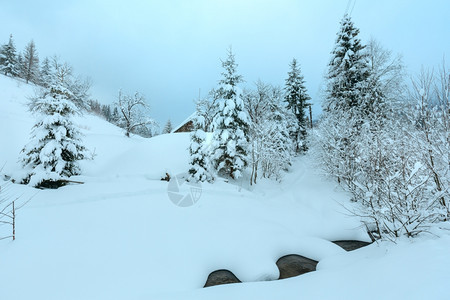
(118, 235)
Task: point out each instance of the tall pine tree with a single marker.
(8, 58)
(349, 99)
(348, 72)
(297, 99)
(230, 125)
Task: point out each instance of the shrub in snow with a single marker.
(381, 166)
(229, 146)
(52, 155)
(271, 124)
(430, 116)
(392, 185)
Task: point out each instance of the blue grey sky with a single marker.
(169, 50)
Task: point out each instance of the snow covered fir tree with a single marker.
(348, 71)
(52, 155)
(45, 72)
(168, 127)
(297, 99)
(229, 145)
(199, 156)
(8, 58)
(347, 85)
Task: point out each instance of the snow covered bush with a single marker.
(229, 145)
(383, 169)
(391, 184)
(429, 112)
(270, 131)
(392, 156)
(52, 155)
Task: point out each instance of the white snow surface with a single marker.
(118, 235)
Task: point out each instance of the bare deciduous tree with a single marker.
(132, 112)
(386, 70)
(31, 63)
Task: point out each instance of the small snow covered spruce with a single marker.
(229, 146)
(54, 151)
(168, 127)
(199, 156)
(8, 60)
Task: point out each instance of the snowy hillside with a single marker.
(118, 235)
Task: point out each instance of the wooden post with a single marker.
(14, 221)
(310, 117)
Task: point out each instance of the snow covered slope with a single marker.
(118, 235)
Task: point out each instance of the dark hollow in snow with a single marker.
(294, 265)
(221, 277)
(351, 245)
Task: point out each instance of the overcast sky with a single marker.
(168, 50)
